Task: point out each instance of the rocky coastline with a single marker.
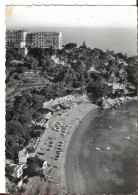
(108, 103)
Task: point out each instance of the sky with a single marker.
(104, 27)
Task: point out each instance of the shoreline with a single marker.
(73, 117)
(68, 143)
(78, 132)
(115, 103)
(74, 165)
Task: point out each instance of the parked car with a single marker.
(58, 152)
(61, 142)
(51, 142)
(56, 166)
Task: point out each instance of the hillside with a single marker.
(46, 74)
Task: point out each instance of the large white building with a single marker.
(21, 40)
(45, 40)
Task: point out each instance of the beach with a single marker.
(101, 157)
(57, 183)
(98, 147)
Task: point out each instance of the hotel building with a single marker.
(16, 39)
(21, 40)
(45, 40)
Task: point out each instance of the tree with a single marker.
(25, 118)
(11, 146)
(34, 166)
(59, 89)
(14, 127)
(110, 52)
(98, 89)
(131, 74)
(120, 55)
(83, 45)
(37, 101)
(96, 76)
(70, 46)
(48, 92)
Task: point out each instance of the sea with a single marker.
(106, 151)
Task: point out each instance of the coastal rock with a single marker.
(105, 104)
(121, 98)
(110, 103)
(114, 103)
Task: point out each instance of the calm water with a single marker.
(118, 39)
(111, 168)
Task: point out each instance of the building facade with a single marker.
(16, 39)
(45, 40)
(21, 40)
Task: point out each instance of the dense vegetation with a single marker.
(67, 71)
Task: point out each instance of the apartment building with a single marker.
(45, 40)
(16, 39)
(21, 40)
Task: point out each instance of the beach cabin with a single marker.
(42, 121)
(64, 106)
(56, 106)
(44, 118)
(47, 115)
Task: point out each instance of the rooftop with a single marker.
(23, 152)
(47, 116)
(22, 30)
(8, 161)
(11, 169)
(56, 33)
(23, 160)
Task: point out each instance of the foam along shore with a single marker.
(70, 119)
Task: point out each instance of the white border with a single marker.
(79, 2)
(2, 58)
(2, 97)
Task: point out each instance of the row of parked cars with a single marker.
(59, 151)
(50, 144)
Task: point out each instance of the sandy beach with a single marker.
(101, 157)
(57, 181)
(96, 151)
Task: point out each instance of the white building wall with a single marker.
(21, 39)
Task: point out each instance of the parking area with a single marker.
(52, 145)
